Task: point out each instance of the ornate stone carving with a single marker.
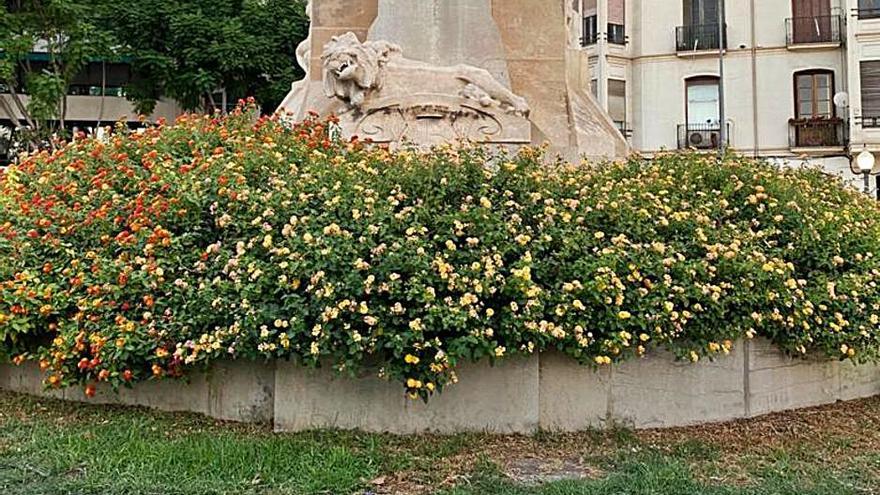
(391, 98)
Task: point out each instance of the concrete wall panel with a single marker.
(657, 391)
(518, 395)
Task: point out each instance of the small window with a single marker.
(616, 22)
(591, 30)
(591, 23)
(814, 91)
(870, 82)
(617, 102)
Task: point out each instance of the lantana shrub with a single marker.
(154, 253)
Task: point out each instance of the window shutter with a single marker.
(590, 8)
(616, 12)
(617, 100)
(870, 77)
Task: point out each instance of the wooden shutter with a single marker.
(870, 77)
(810, 8)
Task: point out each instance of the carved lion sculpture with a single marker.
(358, 72)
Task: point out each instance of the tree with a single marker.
(188, 50)
(43, 45)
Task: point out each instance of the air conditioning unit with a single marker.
(704, 139)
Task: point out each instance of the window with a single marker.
(616, 22)
(594, 88)
(700, 30)
(870, 79)
(591, 30)
(702, 129)
(815, 124)
(591, 23)
(869, 9)
(814, 91)
(700, 12)
(617, 102)
(702, 102)
(113, 77)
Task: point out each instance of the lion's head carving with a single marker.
(352, 69)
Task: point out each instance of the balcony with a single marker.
(868, 12)
(868, 121)
(698, 37)
(807, 32)
(819, 133)
(700, 136)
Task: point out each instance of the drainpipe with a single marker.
(755, 133)
(722, 111)
(602, 54)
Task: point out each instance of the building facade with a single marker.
(95, 98)
(801, 77)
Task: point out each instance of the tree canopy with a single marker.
(185, 50)
(65, 34)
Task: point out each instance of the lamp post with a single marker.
(865, 162)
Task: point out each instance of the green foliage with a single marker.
(218, 238)
(186, 50)
(65, 31)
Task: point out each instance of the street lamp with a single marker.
(865, 162)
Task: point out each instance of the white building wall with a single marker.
(759, 76)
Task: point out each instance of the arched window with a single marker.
(702, 107)
(813, 94)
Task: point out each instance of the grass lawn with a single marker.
(51, 447)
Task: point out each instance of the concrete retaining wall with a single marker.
(520, 395)
(232, 390)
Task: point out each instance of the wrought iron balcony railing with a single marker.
(817, 29)
(867, 12)
(699, 37)
(868, 121)
(700, 136)
(617, 34)
(817, 133)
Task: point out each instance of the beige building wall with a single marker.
(89, 109)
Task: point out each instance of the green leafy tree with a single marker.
(62, 33)
(188, 50)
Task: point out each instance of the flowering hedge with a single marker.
(153, 253)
